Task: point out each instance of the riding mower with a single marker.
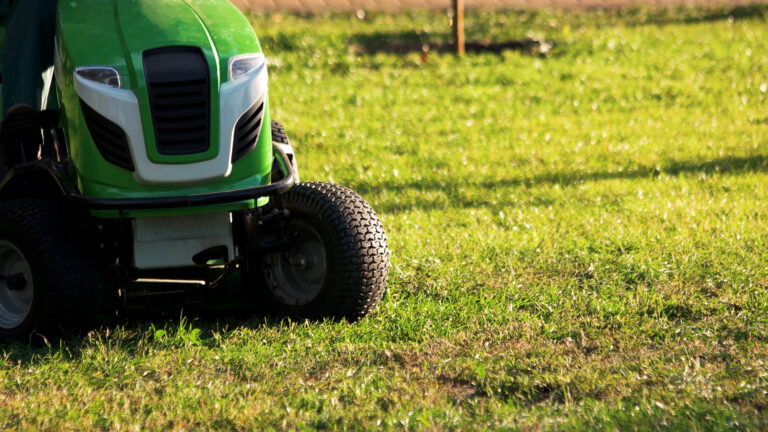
(159, 170)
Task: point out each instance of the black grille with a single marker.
(109, 138)
(247, 131)
(178, 85)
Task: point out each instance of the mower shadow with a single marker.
(137, 328)
(724, 165)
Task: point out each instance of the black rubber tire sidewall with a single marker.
(281, 137)
(68, 287)
(356, 253)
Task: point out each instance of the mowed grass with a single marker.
(578, 240)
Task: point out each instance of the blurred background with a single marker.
(399, 5)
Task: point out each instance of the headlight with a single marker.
(105, 75)
(242, 64)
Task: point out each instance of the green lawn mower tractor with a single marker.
(159, 168)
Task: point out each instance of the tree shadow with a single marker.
(724, 165)
(712, 14)
(405, 42)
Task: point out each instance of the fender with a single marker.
(38, 179)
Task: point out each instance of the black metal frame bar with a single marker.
(70, 191)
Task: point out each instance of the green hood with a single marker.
(117, 28)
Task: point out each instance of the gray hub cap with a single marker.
(16, 288)
(297, 277)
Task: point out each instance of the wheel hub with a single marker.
(299, 261)
(15, 282)
(297, 277)
(16, 288)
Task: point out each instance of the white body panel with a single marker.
(122, 107)
(172, 241)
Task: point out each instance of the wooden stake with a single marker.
(458, 26)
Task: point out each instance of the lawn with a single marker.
(579, 239)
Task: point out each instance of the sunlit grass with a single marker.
(578, 240)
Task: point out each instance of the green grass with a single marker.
(579, 241)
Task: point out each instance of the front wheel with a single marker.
(336, 262)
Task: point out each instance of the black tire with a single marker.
(66, 290)
(278, 133)
(20, 137)
(279, 136)
(355, 254)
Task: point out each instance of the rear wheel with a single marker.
(20, 135)
(336, 262)
(16, 287)
(49, 275)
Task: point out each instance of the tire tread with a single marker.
(360, 252)
(67, 269)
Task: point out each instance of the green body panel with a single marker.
(122, 30)
(230, 31)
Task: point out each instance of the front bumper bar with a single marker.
(72, 194)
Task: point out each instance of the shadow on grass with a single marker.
(171, 326)
(411, 42)
(725, 165)
(718, 13)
